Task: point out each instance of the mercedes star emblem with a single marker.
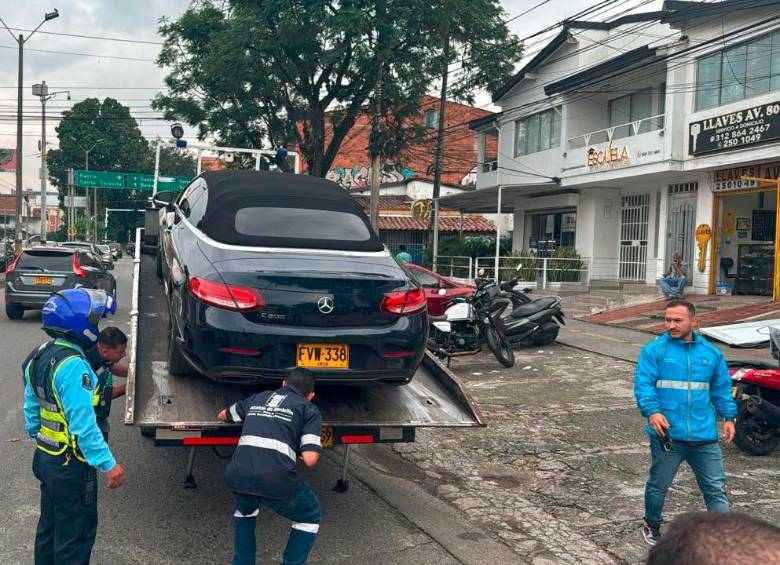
(325, 304)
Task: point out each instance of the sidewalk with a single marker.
(624, 344)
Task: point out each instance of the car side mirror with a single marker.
(164, 199)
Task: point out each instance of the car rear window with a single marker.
(45, 260)
(301, 224)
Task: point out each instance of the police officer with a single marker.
(104, 359)
(59, 412)
(277, 426)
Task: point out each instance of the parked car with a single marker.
(267, 272)
(93, 249)
(106, 255)
(116, 249)
(439, 290)
(38, 272)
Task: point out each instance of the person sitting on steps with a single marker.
(673, 281)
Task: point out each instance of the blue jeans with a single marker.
(706, 461)
(304, 511)
(672, 286)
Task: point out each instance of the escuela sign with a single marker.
(611, 156)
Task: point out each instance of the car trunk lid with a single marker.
(316, 291)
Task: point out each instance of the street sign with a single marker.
(129, 181)
(71, 232)
(100, 179)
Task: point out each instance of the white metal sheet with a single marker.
(741, 334)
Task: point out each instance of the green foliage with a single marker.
(529, 265)
(565, 265)
(242, 71)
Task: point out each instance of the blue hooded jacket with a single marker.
(684, 381)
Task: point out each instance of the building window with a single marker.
(549, 231)
(739, 72)
(631, 108)
(538, 132)
(431, 121)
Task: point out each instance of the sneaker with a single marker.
(651, 533)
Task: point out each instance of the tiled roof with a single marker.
(408, 223)
(387, 202)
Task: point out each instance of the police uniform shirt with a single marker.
(277, 426)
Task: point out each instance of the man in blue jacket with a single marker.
(59, 411)
(680, 377)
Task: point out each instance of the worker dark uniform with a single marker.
(105, 389)
(277, 426)
(59, 412)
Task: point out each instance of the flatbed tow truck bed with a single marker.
(182, 410)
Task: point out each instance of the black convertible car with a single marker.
(266, 272)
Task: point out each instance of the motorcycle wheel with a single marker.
(752, 436)
(547, 335)
(500, 347)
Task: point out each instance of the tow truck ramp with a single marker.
(182, 410)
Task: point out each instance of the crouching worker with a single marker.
(277, 426)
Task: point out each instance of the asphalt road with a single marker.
(152, 519)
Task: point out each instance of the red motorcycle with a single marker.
(756, 389)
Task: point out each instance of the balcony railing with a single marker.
(621, 131)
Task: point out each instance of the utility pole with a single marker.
(86, 190)
(71, 204)
(439, 148)
(376, 142)
(376, 164)
(20, 41)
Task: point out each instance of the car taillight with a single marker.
(12, 266)
(404, 303)
(77, 269)
(225, 296)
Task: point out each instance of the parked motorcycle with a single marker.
(531, 321)
(756, 389)
(469, 323)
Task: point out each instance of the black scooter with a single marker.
(537, 322)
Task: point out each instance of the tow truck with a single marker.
(181, 411)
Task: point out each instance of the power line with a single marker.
(79, 54)
(99, 37)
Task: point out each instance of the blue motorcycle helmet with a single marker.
(74, 314)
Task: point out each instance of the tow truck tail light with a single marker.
(9, 269)
(404, 303)
(357, 439)
(229, 297)
(77, 269)
(210, 441)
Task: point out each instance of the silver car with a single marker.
(39, 272)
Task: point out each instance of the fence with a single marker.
(539, 271)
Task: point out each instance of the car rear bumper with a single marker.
(26, 299)
(387, 353)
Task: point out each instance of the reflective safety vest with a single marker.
(40, 370)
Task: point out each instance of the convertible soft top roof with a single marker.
(231, 191)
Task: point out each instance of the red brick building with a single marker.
(352, 166)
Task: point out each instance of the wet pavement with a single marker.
(559, 472)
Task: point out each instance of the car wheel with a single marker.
(14, 311)
(177, 364)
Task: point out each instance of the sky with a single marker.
(127, 72)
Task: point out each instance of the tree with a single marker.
(241, 70)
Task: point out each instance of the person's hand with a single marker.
(659, 423)
(728, 432)
(116, 476)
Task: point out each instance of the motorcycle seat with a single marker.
(532, 308)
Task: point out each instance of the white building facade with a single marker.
(619, 138)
